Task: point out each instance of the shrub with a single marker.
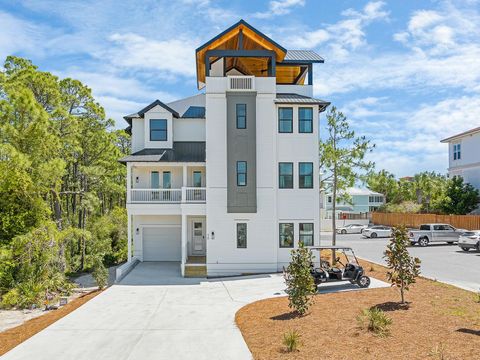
(403, 268)
(100, 274)
(375, 320)
(291, 340)
(10, 299)
(300, 284)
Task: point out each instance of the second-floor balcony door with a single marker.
(167, 184)
(155, 184)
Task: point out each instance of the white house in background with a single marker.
(464, 156)
(363, 201)
(225, 182)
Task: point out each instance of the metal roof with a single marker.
(469, 132)
(182, 151)
(305, 56)
(197, 112)
(287, 98)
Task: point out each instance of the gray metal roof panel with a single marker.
(287, 98)
(197, 112)
(302, 56)
(182, 151)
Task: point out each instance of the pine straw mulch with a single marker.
(15, 336)
(442, 322)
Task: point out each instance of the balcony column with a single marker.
(129, 182)
(129, 238)
(184, 179)
(184, 240)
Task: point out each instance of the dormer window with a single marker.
(158, 130)
(457, 152)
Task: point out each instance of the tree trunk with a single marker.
(334, 215)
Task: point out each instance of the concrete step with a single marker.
(196, 271)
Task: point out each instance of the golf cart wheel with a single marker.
(363, 281)
(465, 249)
(373, 235)
(344, 232)
(423, 241)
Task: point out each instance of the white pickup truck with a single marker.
(430, 233)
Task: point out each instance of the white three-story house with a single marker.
(226, 182)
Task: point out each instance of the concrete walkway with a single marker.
(154, 313)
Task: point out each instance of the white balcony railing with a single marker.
(168, 196)
(194, 194)
(241, 83)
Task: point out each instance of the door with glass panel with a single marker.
(155, 185)
(198, 237)
(197, 182)
(167, 184)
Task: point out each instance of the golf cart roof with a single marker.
(329, 248)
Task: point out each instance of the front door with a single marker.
(198, 237)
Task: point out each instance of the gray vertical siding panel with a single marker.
(241, 146)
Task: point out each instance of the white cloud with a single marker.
(408, 141)
(345, 35)
(279, 7)
(167, 57)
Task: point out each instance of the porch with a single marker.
(166, 183)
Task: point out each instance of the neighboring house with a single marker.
(362, 201)
(463, 156)
(225, 182)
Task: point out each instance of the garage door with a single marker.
(162, 244)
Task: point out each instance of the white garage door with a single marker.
(162, 244)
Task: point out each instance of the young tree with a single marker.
(403, 268)
(342, 156)
(461, 198)
(300, 284)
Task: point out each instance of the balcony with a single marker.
(190, 195)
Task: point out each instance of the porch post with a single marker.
(129, 238)
(184, 175)
(129, 182)
(184, 239)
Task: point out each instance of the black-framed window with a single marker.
(305, 231)
(286, 235)
(305, 120)
(241, 235)
(285, 175)
(241, 112)
(158, 130)
(305, 175)
(241, 173)
(285, 120)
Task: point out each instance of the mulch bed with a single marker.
(441, 322)
(15, 336)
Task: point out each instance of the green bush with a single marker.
(300, 284)
(375, 320)
(10, 299)
(100, 274)
(291, 340)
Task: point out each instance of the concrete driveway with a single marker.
(154, 313)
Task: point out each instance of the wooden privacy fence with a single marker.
(469, 222)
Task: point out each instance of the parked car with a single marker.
(377, 231)
(351, 229)
(469, 240)
(429, 233)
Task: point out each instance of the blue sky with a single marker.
(406, 73)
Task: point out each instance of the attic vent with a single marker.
(241, 83)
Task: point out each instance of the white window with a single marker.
(457, 151)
